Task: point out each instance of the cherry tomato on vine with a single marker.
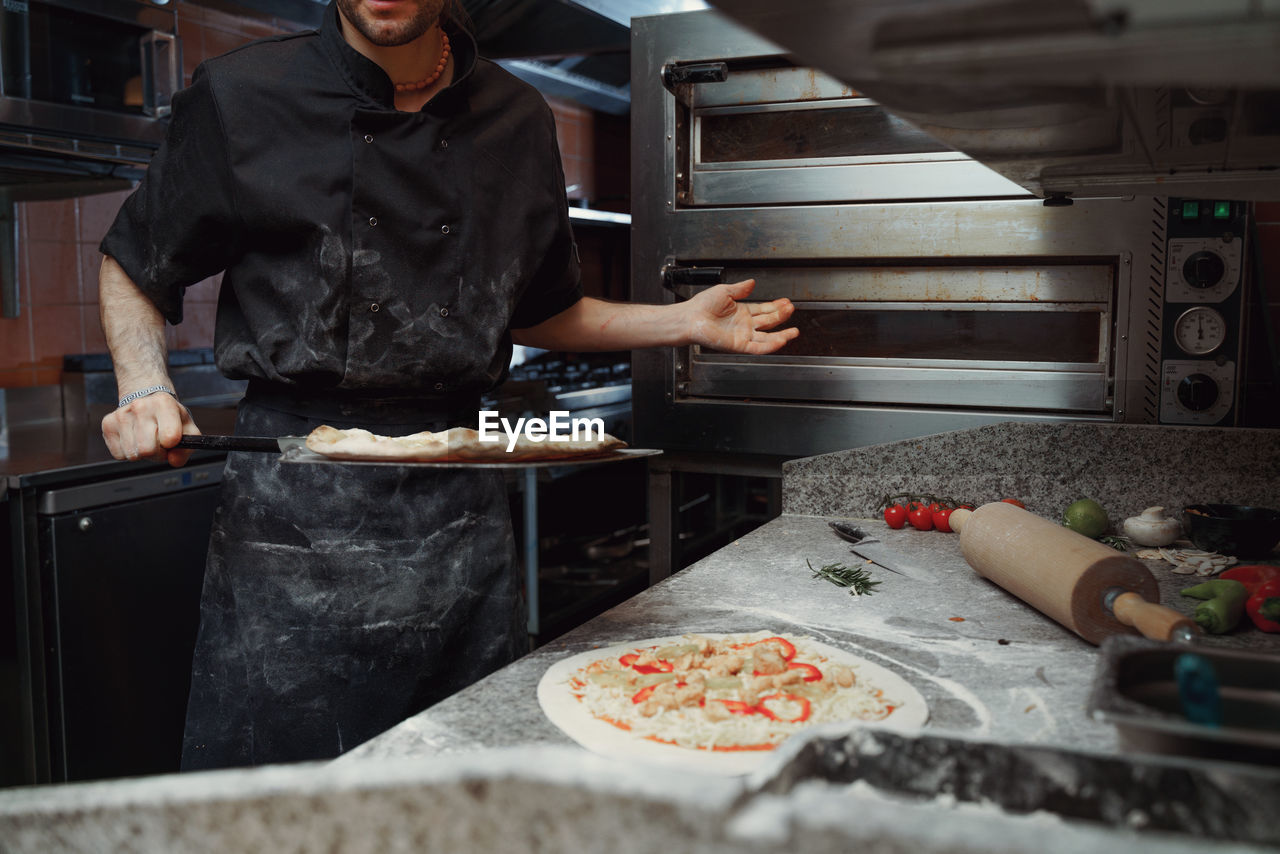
(895, 516)
(942, 519)
(1015, 502)
(921, 519)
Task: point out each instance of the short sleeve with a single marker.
(557, 283)
(180, 225)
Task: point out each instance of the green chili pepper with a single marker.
(1223, 605)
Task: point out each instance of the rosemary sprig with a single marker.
(857, 580)
(1118, 543)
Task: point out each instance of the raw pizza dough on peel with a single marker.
(456, 443)
(562, 690)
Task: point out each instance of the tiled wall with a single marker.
(58, 240)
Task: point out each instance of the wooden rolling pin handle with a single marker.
(1153, 620)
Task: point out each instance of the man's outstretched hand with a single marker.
(718, 319)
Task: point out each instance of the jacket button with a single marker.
(373, 220)
(439, 386)
(444, 229)
(375, 307)
(368, 137)
(444, 143)
(444, 312)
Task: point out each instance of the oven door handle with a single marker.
(674, 278)
(161, 72)
(697, 72)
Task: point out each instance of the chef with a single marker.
(389, 210)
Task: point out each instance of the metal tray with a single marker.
(1135, 689)
(302, 455)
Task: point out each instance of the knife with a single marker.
(872, 549)
(279, 445)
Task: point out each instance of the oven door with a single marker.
(1035, 337)
(101, 69)
(778, 134)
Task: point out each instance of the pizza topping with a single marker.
(768, 661)
(842, 675)
(787, 708)
(725, 665)
(729, 693)
(645, 663)
(810, 673)
(785, 647)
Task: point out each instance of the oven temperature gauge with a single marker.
(1200, 330)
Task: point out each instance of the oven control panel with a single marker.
(1203, 312)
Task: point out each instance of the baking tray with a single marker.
(1135, 690)
(301, 454)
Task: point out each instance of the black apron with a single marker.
(340, 600)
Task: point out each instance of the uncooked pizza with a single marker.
(455, 444)
(718, 702)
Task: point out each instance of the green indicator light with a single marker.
(1222, 210)
(1190, 210)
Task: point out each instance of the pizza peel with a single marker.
(1092, 589)
(293, 449)
(280, 445)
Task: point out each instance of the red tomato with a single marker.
(1015, 502)
(895, 516)
(921, 519)
(942, 519)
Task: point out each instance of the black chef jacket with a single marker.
(372, 256)
(364, 248)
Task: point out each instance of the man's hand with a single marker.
(148, 428)
(718, 320)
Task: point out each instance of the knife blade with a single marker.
(265, 444)
(869, 548)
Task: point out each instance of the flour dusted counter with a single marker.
(1009, 759)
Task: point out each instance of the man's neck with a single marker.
(403, 63)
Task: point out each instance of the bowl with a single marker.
(1232, 529)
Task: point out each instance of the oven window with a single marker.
(59, 55)
(801, 134)
(993, 335)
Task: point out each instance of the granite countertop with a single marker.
(988, 665)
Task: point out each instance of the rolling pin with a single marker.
(1092, 589)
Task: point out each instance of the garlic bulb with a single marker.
(1152, 528)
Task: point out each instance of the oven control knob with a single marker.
(1203, 269)
(85, 524)
(1197, 392)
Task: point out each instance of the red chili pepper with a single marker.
(630, 658)
(1252, 576)
(739, 708)
(811, 673)
(802, 701)
(788, 649)
(1263, 607)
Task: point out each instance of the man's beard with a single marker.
(391, 33)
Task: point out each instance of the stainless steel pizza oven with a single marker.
(932, 293)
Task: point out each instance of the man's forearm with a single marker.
(134, 330)
(592, 325)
